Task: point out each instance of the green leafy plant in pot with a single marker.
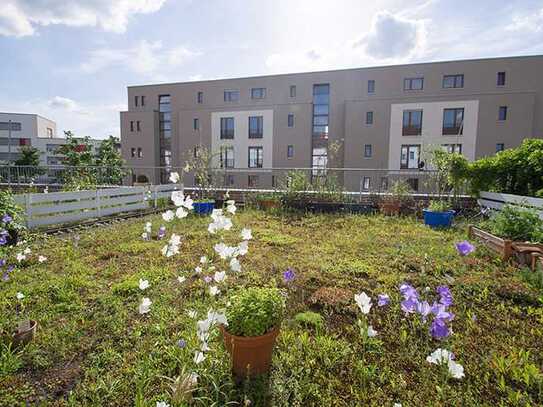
(254, 317)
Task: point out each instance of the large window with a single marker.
(369, 118)
(231, 95)
(200, 98)
(410, 156)
(453, 121)
(256, 126)
(500, 79)
(366, 182)
(252, 181)
(290, 120)
(453, 81)
(502, 113)
(258, 93)
(292, 91)
(290, 151)
(227, 128)
(413, 83)
(412, 123)
(15, 126)
(500, 147)
(227, 157)
(196, 123)
(321, 103)
(256, 157)
(165, 133)
(319, 160)
(371, 86)
(367, 151)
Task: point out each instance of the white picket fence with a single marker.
(496, 201)
(59, 208)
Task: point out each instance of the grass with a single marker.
(93, 348)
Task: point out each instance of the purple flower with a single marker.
(3, 240)
(424, 309)
(439, 329)
(289, 275)
(2, 262)
(181, 343)
(161, 232)
(208, 279)
(464, 248)
(408, 291)
(5, 276)
(383, 299)
(445, 295)
(409, 305)
(6, 218)
(440, 311)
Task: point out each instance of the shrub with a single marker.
(309, 319)
(517, 223)
(439, 206)
(9, 207)
(255, 311)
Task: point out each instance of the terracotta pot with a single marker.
(24, 337)
(251, 355)
(390, 207)
(268, 204)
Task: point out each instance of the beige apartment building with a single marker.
(378, 118)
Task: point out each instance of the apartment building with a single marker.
(31, 130)
(381, 118)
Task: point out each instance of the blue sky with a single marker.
(72, 60)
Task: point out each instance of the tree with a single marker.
(110, 162)
(30, 156)
(79, 160)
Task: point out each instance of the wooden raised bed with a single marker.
(527, 253)
(504, 247)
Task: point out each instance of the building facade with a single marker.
(31, 130)
(378, 118)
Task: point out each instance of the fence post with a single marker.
(98, 203)
(28, 208)
(155, 201)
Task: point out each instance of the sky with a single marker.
(71, 61)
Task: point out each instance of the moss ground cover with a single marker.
(94, 348)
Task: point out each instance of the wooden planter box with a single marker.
(528, 253)
(504, 247)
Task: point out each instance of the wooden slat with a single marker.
(119, 200)
(490, 204)
(121, 191)
(61, 196)
(513, 199)
(63, 207)
(125, 208)
(61, 218)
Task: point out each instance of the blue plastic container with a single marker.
(438, 219)
(203, 208)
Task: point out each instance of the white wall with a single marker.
(432, 128)
(241, 141)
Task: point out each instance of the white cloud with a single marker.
(528, 22)
(20, 17)
(59, 102)
(393, 37)
(144, 58)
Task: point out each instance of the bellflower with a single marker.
(371, 332)
(208, 279)
(246, 234)
(289, 275)
(443, 356)
(145, 306)
(6, 218)
(143, 284)
(161, 233)
(181, 279)
(214, 290)
(219, 276)
(383, 299)
(168, 215)
(243, 248)
(181, 343)
(20, 296)
(3, 240)
(424, 309)
(445, 295)
(234, 265)
(363, 302)
(409, 305)
(174, 177)
(199, 357)
(439, 328)
(464, 248)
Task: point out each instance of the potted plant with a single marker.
(26, 328)
(267, 201)
(438, 214)
(201, 165)
(391, 204)
(254, 317)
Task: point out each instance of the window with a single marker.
(256, 126)
(500, 80)
(319, 160)
(274, 182)
(369, 117)
(256, 157)
(290, 120)
(227, 128)
(453, 121)
(143, 100)
(140, 152)
(200, 98)
(49, 132)
(412, 123)
(131, 125)
(502, 113)
(366, 183)
(371, 86)
(321, 101)
(292, 91)
(136, 98)
(15, 126)
(231, 95)
(133, 152)
(138, 128)
(410, 156)
(413, 83)
(229, 180)
(196, 124)
(290, 151)
(500, 147)
(253, 181)
(453, 81)
(196, 151)
(227, 157)
(452, 148)
(258, 93)
(367, 150)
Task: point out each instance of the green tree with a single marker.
(29, 156)
(78, 157)
(110, 162)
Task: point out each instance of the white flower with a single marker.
(181, 279)
(20, 257)
(456, 369)
(199, 357)
(225, 251)
(219, 276)
(145, 236)
(168, 215)
(213, 290)
(145, 306)
(178, 198)
(162, 403)
(174, 177)
(20, 296)
(143, 284)
(246, 234)
(371, 332)
(234, 265)
(188, 203)
(42, 259)
(442, 356)
(397, 405)
(220, 222)
(205, 347)
(243, 248)
(203, 259)
(181, 213)
(231, 207)
(363, 302)
(147, 227)
(175, 240)
(191, 313)
(27, 250)
(198, 270)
